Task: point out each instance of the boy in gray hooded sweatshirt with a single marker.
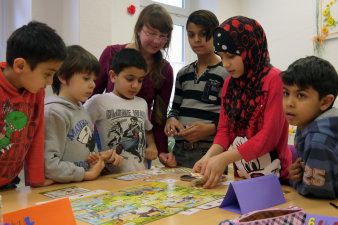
(70, 147)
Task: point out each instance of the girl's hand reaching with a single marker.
(212, 171)
(212, 165)
(199, 164)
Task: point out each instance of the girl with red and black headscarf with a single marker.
(252, 132)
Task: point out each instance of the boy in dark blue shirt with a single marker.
(310, 89)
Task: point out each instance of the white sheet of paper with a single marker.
(210, 205)
(190, 211)
(87, 194)
(132, 176)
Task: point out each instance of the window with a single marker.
(176, 3)
(13, 14)
(176, 49)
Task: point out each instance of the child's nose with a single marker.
(49, 81)
(134, 84)
(290, 101)
(226, 64)
(92, 84)
(197, 38)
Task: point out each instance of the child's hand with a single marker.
(296, 170)
(173, 127)
(44, 183)
(106, 155)
(92, 159)
(211, 168)
(197, 131)
(151, 153)
(212, 171)
(168, 159)
(110, 156)
(95, 170)
(199, 164)
(117, 160)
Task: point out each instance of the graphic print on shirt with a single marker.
(127, 133)
(263, 165)
(115, 131)
(83, 134)
(211, 92)
(18, 124)
(13, 121)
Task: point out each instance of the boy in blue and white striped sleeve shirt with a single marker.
(310, 89)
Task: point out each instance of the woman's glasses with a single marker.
(154, 36)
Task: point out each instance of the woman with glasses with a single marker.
(152, 33)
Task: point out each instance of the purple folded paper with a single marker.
(253, 194)
(315, 219)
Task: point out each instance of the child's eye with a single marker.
(48, 74)
(191, 35)
(140, 81)
(300, 95)
(202, 35)
(285, 93)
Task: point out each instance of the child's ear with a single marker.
(112, 75)
(61, 79)
(326, 102)
(19, 65)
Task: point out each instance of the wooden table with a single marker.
(24, 197)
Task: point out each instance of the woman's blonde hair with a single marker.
(157, 17)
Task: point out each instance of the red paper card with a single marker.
(54, 212)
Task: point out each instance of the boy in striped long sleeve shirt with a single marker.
(195, 110)
(310, 89)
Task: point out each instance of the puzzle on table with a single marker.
(139, 204)
(64, 192)
(131, 176)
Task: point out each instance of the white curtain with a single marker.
(13, 14)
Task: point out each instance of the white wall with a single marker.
(290, 25)
(13, 14)
(223, 9)
(62, 15)
(106, 22)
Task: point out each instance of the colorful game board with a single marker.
(64, 192)
(177, 170)
(139, 204)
